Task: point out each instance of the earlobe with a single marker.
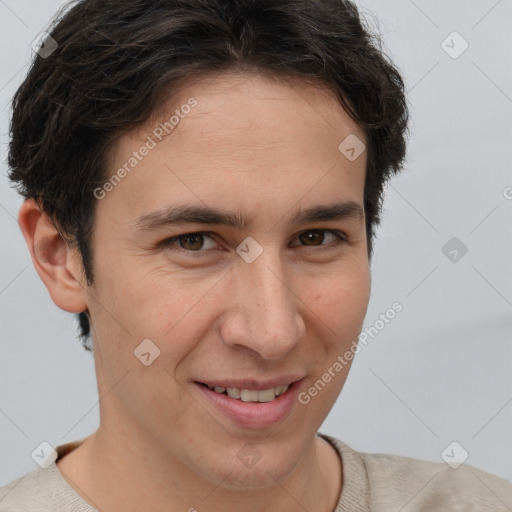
(54, 261)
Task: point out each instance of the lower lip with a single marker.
(255, 415)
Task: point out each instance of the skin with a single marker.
(265, 148)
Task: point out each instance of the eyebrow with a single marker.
(192, 214)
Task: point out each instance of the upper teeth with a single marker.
(252, 395)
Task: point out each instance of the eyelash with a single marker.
(169, 242)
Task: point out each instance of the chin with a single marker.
(261, 477)
(250, 469)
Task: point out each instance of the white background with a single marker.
(441, 370)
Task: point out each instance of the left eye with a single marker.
(318, 235)
(194, 242)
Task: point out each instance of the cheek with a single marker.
(338, 305)
(339, 301)
(173, 309)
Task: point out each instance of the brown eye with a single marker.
(317, 237)
(312, 238)
(191, 242)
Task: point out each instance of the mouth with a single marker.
(249, 395)
(251, 404)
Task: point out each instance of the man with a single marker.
(203, 181)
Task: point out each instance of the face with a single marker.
(262, 297)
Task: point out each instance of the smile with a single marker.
(251, 404)
(250, 395)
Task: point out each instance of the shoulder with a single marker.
(409, 484)
(27, 492)
(429, 484)
(43, 490)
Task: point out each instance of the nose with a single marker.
(265, 316)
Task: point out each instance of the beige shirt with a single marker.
(371, 482)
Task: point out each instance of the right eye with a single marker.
(189, 242)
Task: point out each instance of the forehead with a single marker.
(261, 102)
(227, 138)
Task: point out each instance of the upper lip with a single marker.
(253, 384)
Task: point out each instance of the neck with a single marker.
(120, 476)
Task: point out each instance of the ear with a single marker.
(58, 266)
